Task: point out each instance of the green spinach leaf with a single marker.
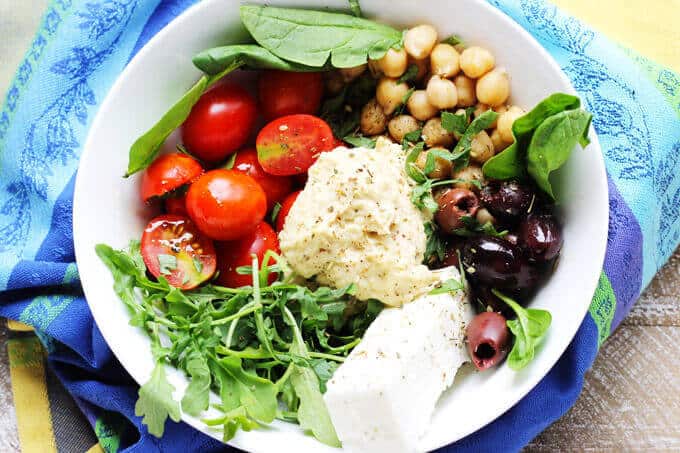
(355, 7)
(251, 56)
(552, 143)
(529, 330)
(312, 38)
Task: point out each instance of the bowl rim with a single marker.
(189, 15)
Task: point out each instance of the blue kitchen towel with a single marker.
(82, 46)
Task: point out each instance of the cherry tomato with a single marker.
(173, 247)
(225, 204)
(286, 93)
(283, 212)
(234, 254)
(291, 144)
(167, 173)
(275, 187)
(219, 123)
(176, 205)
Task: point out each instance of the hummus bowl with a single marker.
(162, 71)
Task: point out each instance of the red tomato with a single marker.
(173, 247)
(219, 123)
(176, 205)
(287, 93)
(234, 254)
(285, 207)
(226, 204)
(291, 144)
(167, 173)
(275, 187)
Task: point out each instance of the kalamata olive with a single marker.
(498, 264)
(541, 236)
(454, 204)
(488, 339)
(506, 200)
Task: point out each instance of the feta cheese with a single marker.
(382, 397)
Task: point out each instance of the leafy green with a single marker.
(473, 228)
(451, 285)
(342, 111)
(258, 346)
(355, 7)
(400, 108)
(529, 330)
(359, 141)
(456, 123)
(251, 56)
(275, 212)
(435, 247)
(155, 402)
(552, 143)
(511, 162)
(453, 40)
(410, 74)
(312, 38)
(145, 149)
(461, 152)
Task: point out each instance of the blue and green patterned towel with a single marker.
(83, 45)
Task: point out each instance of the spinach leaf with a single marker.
(529, 329)
(511, 162)
(251, 56)
(359, 141)
(145, 149)
(552, 143)
(155, 402)
(312, 37)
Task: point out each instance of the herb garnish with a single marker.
(473, 228)
(359, 141)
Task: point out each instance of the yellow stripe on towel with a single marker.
(27, 369)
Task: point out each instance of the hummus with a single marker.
(355, 223)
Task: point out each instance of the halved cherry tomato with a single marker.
(225, 204)
(220, 122)
(283, 212)
(173, 247)
(275, 187)
(234, 254)
(301, 180)
(176, 205)
(287, 93)
(291, 144)
(167, 173)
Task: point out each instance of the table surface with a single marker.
(631, 397)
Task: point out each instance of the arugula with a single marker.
(217, 59)
(529, 330)
(268, 350)
(359, 141)
(145, 149)
(312, 38)
(513, 161)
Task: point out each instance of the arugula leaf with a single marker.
(168, 263)
(359, 141)
(410, 74)
(324, 370)
(251, 56)
(552, 143)
(313, 37)
(145, 149)
(451, 285)
(195, 398)
(529, 329)
(455, 123)
(355, 8)
(155, 402)
(257, 395)
(511, 162)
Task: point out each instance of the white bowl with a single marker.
(107, 208)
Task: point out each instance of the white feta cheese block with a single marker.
(382, 397)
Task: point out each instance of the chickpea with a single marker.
(465, 87)
(420, 107)
(420, 40)
(382, 137)
(441, 93)
(390, 94)
(393, 63)
(476, 61)
(442, 167)
(423, 66)
(498, 143)
(350, 74)
(469, 173)
(493, 88)
(481, 148)
(444, 61)
(401, 125)
(435, 135)
(334, 83)
(373, 119)
(505, 121)
(484, 216)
